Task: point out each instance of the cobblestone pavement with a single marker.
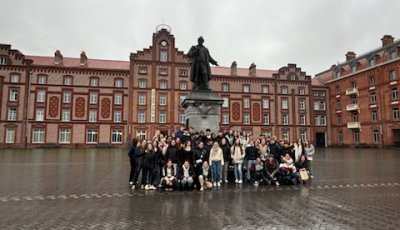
(87, 189)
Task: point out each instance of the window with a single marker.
(39, 114)
(141, 134)
(119, 83)
(10, 136)
(371, 81)
(374, 116)
(322, 94)
(285, 119)
(183, 85)
(267, 133)
(141, 117)
(67, 80)
(354, 117)
(316, 105)
(38, 136)
(337, 90)
(372, 97)
(14, 78)
(142, 99)
(302, 119)
(265, 89)
(182, 98)
(393, 75)
(266, 119)
(337, 73)
(302, 91)
(246, 118)
(293, 77)
(246, 88)
(142, 70)
(182, 118)
(162, 118)
(396, 114)
(353, 100)
(226, 102)
(118, 98)
(340, 137)
(356, 136)
(40, 96)
(92, 115)
(142, 84)
(12, 114)
(353, 84)
(3, 61)
(94, 82)
(163, 71)
(284, 90)
(317, 121)
(163, 100)
(67, 97)
(91, 136)
(354, 68)
(93, 98)
(339, 120)
(395, 94)
(183, 73)
(285, 104)
(13, 95)
(66, 115)
(392, 54)
(338, 105)
(163, 56)
(285, 134)
(225, 118)
(65, 136)
(225, 87)
(375, 136)
(42, 79)
(323, 120)
(265, 103)
(117, 116)
(246, 103)
(371, 62)
(322, 105)
(303, 135)
(163, 84)
(302, 104)
(116, 136)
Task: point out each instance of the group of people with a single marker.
(201, 160)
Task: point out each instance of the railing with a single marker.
(354, 125)
(352, 91)
(353, 107)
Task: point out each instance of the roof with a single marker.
(241, 72)
(316, 82)
(75, 62)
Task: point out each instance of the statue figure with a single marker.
(200, 72)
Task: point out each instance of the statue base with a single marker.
(202, 110)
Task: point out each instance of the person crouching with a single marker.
(169, 176)
(186, 175)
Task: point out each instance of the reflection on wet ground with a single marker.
(87, 188)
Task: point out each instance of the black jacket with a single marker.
(251, 153)
(186, 155)
(208, 177)
(300, 165)
(200, 154)
(172, 154)
(181, 172)
(226, 152)
(275, 149)
(149, 160)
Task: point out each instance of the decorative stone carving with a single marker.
(105, 107)
(256, 112)
(236, 111)
(53, 106)
(80, 107)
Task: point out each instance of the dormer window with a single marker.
(142, 70)
(183, 73)
(163, 56)
(337, 73)
(392, 54)
(354, 68)
(164, 71)
(371, 62)
(292, 77)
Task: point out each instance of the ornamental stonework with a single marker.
(80, 107)
(105, 108)
(256, 112)
(236, 111)
(53, 106)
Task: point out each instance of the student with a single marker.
(216, 161)
(288, 170)
(258, 172)
(226, 152)
(186, 153)
(186, 175)
(310, 151)
(168, 176)
(251, 156)
(298, 149)
(302, 163)
(272, 169)
(173, 154)
(205, 176)
(149, 166)
(237, 155)
(133, 159)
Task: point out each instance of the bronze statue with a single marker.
(200, 72)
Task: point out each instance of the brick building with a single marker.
(364, 98)
(60, 101)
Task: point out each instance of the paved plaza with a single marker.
(87, 189)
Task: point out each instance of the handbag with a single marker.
(303, 174)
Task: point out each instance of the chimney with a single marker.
(83, 58)
(350, 55)
(58, 58)
(252, 69)
(387, 40)
(234, 68)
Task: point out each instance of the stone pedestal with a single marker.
(201, 110)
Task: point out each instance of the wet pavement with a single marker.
(88, 189)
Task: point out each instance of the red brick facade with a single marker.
(64, 101)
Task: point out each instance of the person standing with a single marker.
(216, 161)
(133, 161)
(226, 152)
(237, 155)
(149, 166)
(251, 155)
(310, 151)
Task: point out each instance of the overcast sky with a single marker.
(314, 34)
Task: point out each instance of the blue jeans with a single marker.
(238, 171)
(250, 164)
(216, 170)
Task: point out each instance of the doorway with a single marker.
(320, 140)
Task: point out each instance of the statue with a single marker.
(200, 72)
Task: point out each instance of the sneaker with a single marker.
(276, 183)
(215, 184)
(236, 181)
(255, 184)
(142, 186)
(147, 187)
(151, 187)
(226, 181)
(219, 184)
(240, 181)
(201, 189)
(130, 183)
(311, 176)
(133, 187)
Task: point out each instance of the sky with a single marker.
(314, 34)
